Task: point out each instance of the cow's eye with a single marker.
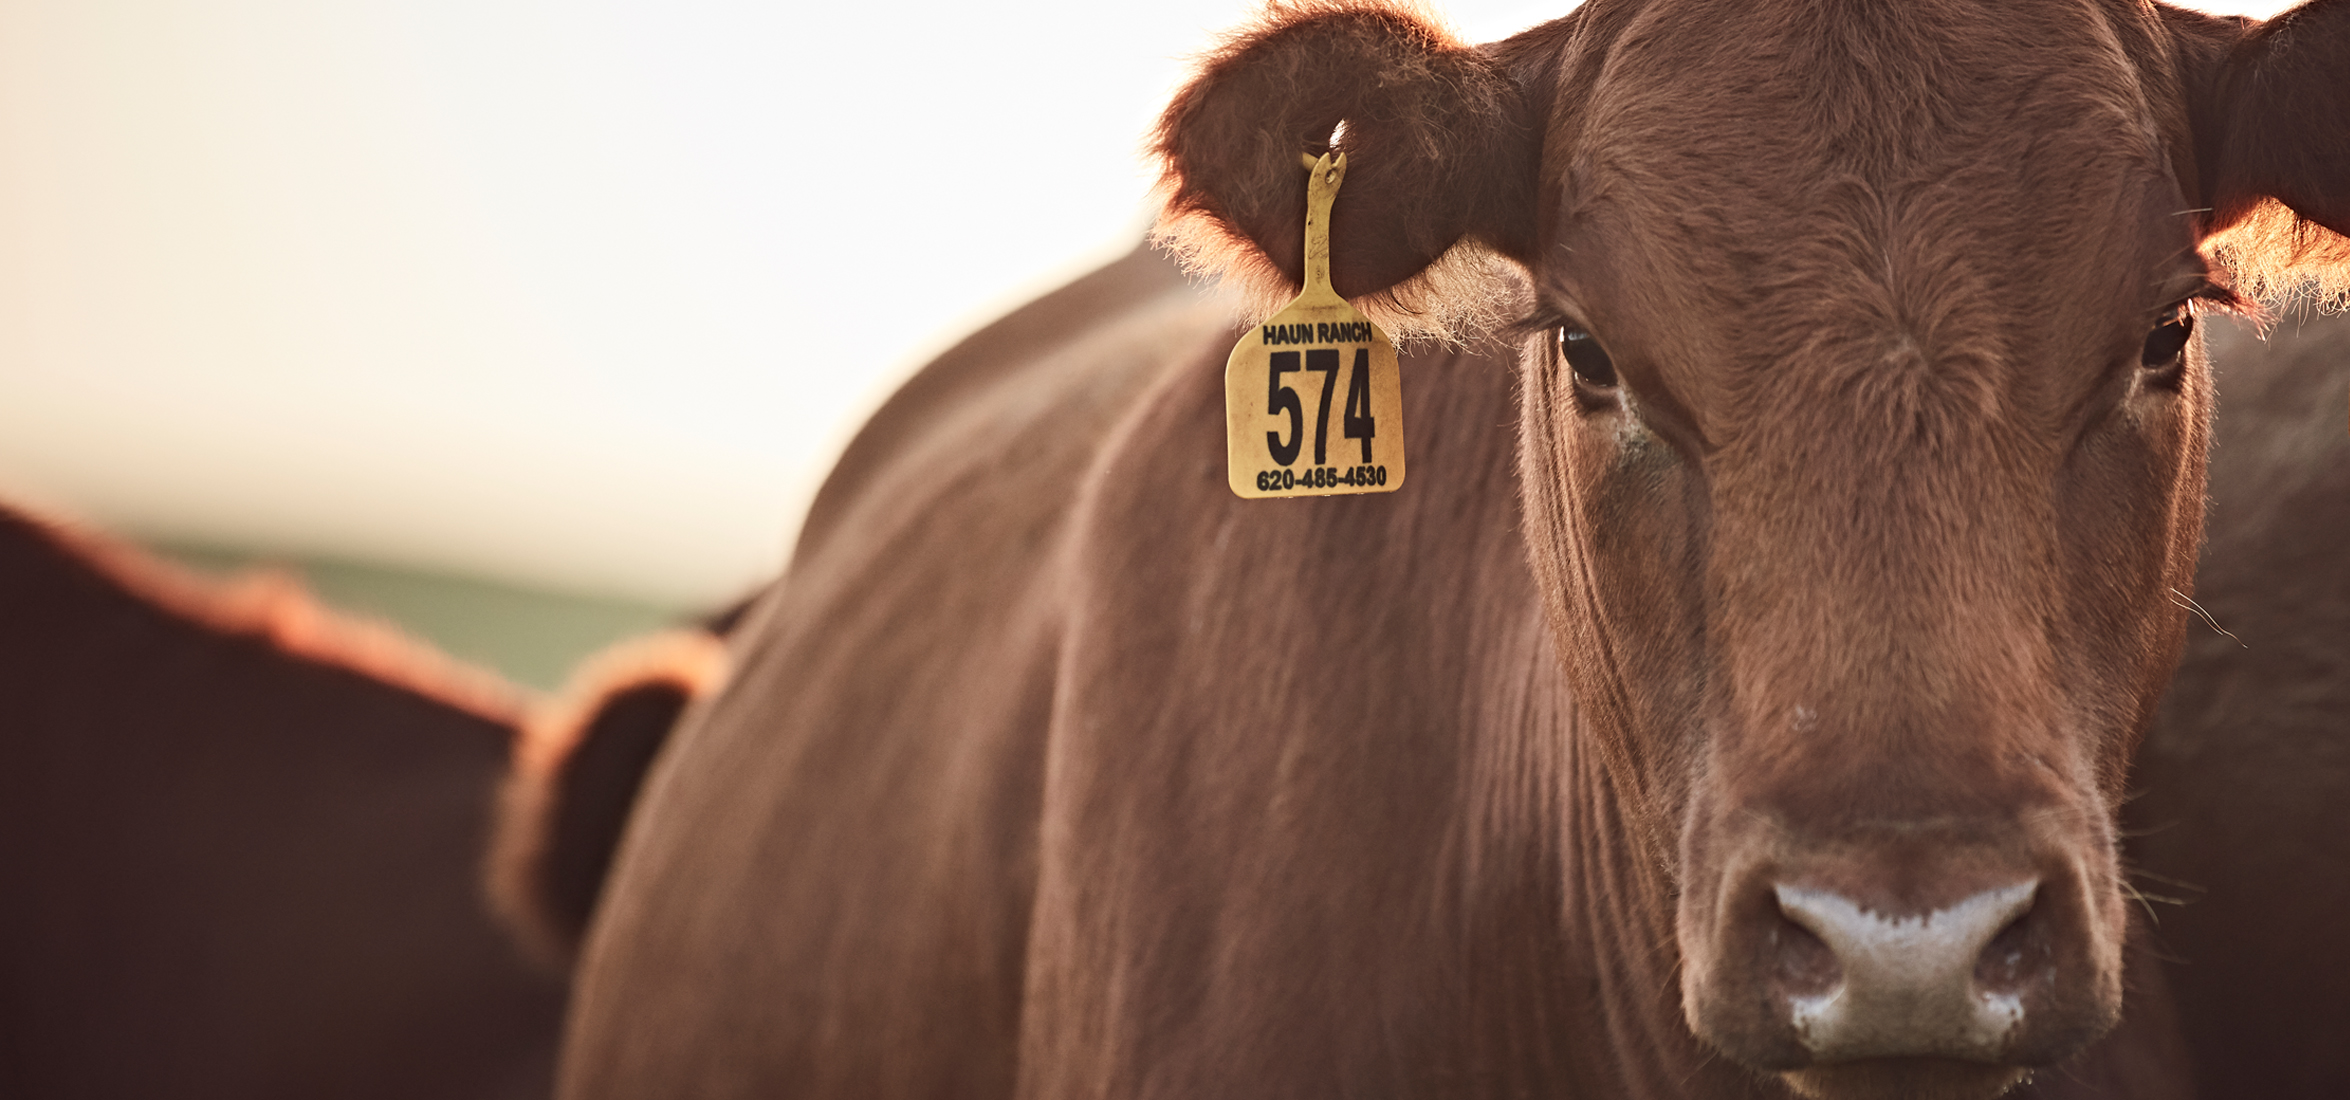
(1586, 358)
(2165, 353)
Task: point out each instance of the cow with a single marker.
(241, 837)
(1737, 701)
(2239, 787)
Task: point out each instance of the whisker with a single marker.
(2135, 896)
(2183, 884)
(2182, 599)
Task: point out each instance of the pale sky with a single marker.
(581, 294)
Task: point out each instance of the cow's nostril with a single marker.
(1805, 963)
(2016, 956)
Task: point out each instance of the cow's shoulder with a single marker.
(865, 791)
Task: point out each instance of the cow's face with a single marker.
(1862, 428)
(1862, 451)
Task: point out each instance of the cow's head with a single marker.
(1863, 438)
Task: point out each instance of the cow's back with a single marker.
(234, 866)
(828, 879)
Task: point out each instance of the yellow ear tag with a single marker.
(1313, 403)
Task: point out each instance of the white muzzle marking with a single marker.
(1908, 986)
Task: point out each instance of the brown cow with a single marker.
(242, 833)
(239, 841)
(2246, 772)
(1754, 720)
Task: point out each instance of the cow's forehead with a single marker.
(1883, 85)
(1930, 182)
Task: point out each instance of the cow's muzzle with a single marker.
(1931, 984)
(1900, 969)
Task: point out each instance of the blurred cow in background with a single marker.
(2241, 812)
(241, 838)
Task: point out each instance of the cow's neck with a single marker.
(1582, 994)
(1620, 913)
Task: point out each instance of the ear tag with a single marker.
(1313, 403)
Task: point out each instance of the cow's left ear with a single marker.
(1439, 139)
(2270, 103)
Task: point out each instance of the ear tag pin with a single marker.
(1313, 402)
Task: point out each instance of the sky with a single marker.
(581, 295)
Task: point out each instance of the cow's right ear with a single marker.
(2270, 102)
(1439, 141)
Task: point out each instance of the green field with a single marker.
(532, 636)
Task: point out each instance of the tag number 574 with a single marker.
(1355, 420)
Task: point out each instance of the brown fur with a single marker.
(273, 606)
(1439, 140)
(1059, 764)
(2271, 173)
(239, 837)
(2243, 779)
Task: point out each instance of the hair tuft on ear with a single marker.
(2283, 260)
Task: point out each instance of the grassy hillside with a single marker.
(531, 636)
